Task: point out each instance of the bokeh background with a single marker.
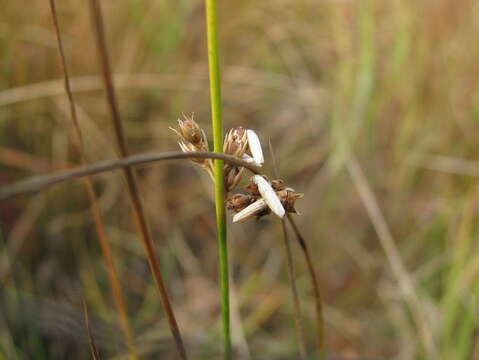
(372, 108)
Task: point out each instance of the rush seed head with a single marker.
(190, 130)
(232, 175)
(288, 198)
(236, 142)
(264, 196)
(193, 138)
(239, 201)
(278, 184)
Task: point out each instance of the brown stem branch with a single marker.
(94, 207)
(315, 284)
(289, 260)
(294, 290)
(133, 191)
(40, 182)
(93, 348)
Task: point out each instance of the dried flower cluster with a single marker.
(264, 197)
(192, 139)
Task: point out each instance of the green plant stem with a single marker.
(215, 93)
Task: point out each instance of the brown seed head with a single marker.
(190, 130)
(253, 189)
(192, 139)
(188, 147)
(232, 175)
(236, 142)
(238, 202)
(288, 198)
(278, 185)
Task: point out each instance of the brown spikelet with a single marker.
(247, 206)
(193, 139)
(238, 202)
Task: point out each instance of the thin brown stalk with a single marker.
(94, 207)
(292, 278)
(93, 348)
(97, 19)
(36, 183)
(294, 290)
(23, 160)
(314, 281)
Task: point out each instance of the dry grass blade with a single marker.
(95, 209)
(388, 244)
(23, 160)
(133, 191)
(294, 289)
(40, 182)
(314, 281)
(452, 165)
(93, 348)
(289, 260)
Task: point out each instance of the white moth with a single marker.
(250, 211)
(255, 147)
(269, 195)
(248, 159)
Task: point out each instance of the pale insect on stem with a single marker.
(250, 211)
(255, 147)
(269, 195)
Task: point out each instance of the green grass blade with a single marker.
(215, 89)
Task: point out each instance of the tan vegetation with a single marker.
(372, 109)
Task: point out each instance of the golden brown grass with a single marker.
(394, 83)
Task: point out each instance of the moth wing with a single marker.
(250, 211)
(269, 195)
(255, 147)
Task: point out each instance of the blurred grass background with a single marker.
(391, 85)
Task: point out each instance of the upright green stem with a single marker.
(215, 90)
